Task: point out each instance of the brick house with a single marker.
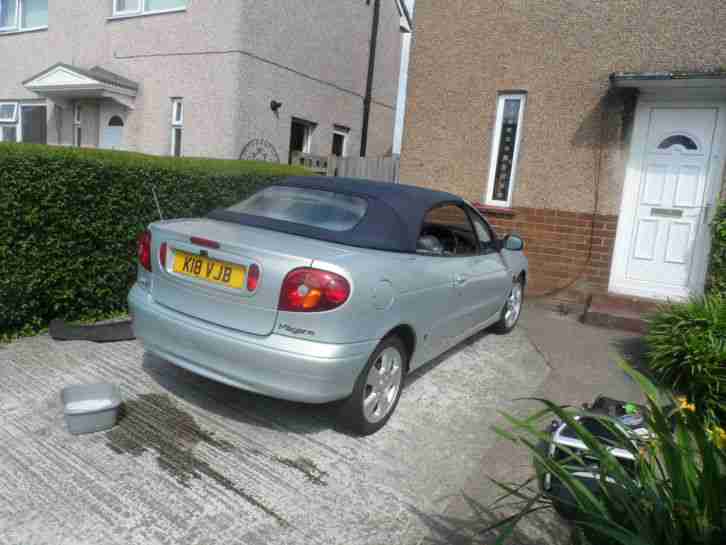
(594, 129)
(217, 78)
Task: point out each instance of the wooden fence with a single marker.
(386, 169)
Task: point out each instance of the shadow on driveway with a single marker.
(263, 411)
(536, 529)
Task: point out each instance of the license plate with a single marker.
(209, 270)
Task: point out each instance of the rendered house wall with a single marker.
(227, 60)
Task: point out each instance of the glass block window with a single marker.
(505, 149)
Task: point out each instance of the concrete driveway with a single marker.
(194, 461)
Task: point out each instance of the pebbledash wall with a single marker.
(575, 131)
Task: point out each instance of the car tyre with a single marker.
(512, 309)
(377, 389)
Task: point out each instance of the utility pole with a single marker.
(369, 82)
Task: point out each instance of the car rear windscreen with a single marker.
(313, 207)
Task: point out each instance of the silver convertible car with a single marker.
(323, 289)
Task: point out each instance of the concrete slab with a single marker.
(198, 462)
(583, 362)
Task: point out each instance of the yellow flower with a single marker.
(718, 436)
(684, 405)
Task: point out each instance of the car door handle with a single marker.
(460, 279)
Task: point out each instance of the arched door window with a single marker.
(686, 142)
(113, 133)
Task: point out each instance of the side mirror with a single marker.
(513, 243)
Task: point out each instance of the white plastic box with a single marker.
(90, 408)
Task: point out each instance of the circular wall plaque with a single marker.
(259, 150)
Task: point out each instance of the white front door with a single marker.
(112, 137)
(113, 133)
(662, 241)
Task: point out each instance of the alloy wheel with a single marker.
(514, 306)
(382, 385)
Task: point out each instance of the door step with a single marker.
(620, 312)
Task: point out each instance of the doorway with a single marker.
(113, 133)
(300, 137)
(662, 243)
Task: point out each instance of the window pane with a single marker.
(35, 13)
(177, 136)
(678, 140)
(7, 13)
(156, 5)
(178, 112)
(322, 209)
(8, 111)
(507, 143)
(449, 215)
(338, 141)
(34, 124)
(481, 231)
(127, 5)
(448, 227)
(9, 133)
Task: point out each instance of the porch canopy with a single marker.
(662, 81)
(63, 83)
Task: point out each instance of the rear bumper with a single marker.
(274, 365)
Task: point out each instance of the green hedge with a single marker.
(717, 269)
(69, 219)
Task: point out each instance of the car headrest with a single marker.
(429, 244)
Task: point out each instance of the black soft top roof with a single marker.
(392, 220)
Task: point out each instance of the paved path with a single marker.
(199, 462)
(583, 362)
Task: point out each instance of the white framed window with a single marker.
(140, 7)
(17, 15)
(9, 133)
(340, 141)
(8, 112)
(77, 125)
(28, 123)
(177, 126)
(505, 149)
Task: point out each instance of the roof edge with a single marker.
(665, 76)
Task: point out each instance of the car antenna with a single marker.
(156, 200)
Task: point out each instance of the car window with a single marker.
(447, 231)
(313, 207)
(484, 234)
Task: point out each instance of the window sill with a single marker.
(497, 211)
(122, 16)
(23, 31)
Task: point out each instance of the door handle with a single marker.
(460, 279)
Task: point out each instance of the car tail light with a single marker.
(162, 255)
(144, 250)
(253, 277)
(199, 241)
(313, 290)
